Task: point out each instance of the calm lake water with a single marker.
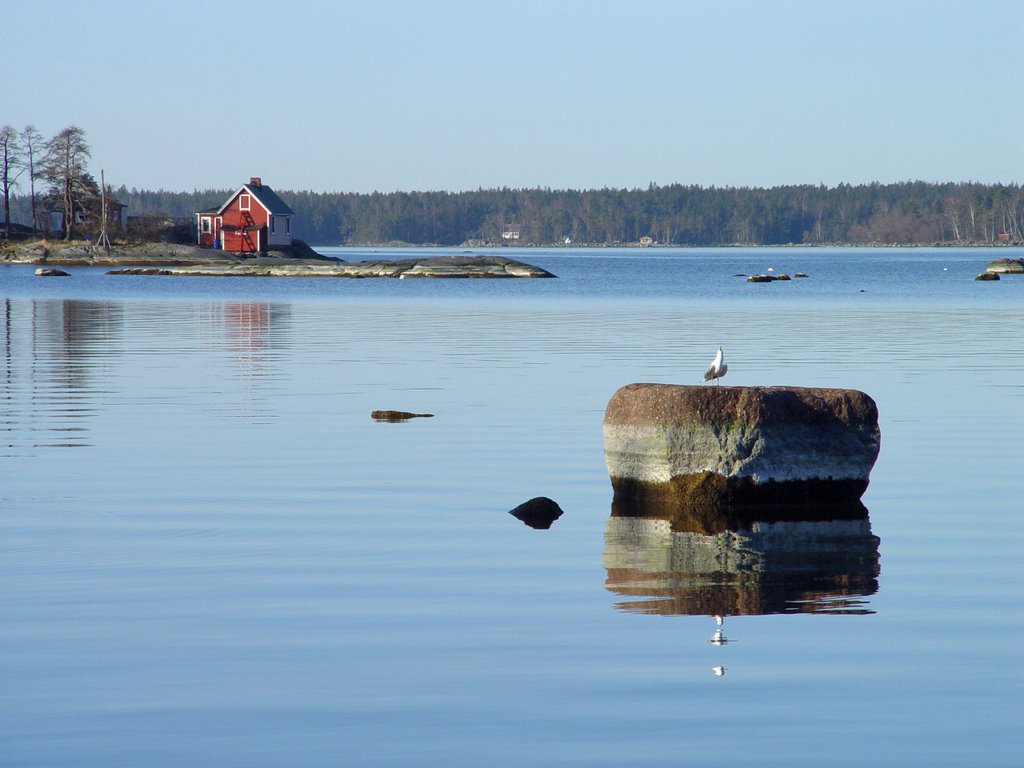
(211, 555)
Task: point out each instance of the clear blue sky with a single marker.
(419, 95)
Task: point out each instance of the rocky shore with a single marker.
(298, 261)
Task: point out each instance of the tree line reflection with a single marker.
(58, 356)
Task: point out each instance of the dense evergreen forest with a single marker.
(904, 213)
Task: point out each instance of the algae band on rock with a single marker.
(703, 455)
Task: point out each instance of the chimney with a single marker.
(255, 181)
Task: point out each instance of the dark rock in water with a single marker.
(398, 415)
(801, 274)
(1006, 266)
(988, 276)
(51, 272)
(783, 276)
(537, 513)
(761, 279)
(713, 452)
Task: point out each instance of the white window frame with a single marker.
(245, 202)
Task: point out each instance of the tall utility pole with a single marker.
(103, 241)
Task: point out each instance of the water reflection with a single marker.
(49, 351)
(250, 340)
(252, 333)
(785, 566)
(248, 324)
(65, 361)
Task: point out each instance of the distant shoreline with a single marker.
(668, 246)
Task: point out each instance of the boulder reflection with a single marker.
(779, 566)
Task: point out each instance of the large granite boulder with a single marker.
(720, 456)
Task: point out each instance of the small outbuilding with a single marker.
(252, 220)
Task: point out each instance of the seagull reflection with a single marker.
(718, 638)
(750, 567)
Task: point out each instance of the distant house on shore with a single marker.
(252, 220)
(86, 219)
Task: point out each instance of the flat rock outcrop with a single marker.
(1006, 266)
(297, 260)
(438, 266)
(708, 452)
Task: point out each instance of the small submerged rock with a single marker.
(398, 415)
(988, 276)
(51, 272)
(782, 276)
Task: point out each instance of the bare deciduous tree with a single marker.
(31, 144)
(64, 168)
(10, 170)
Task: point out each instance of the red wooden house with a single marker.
(252, 220)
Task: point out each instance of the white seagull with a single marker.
(717, 369)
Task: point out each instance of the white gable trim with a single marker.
(244, 189)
